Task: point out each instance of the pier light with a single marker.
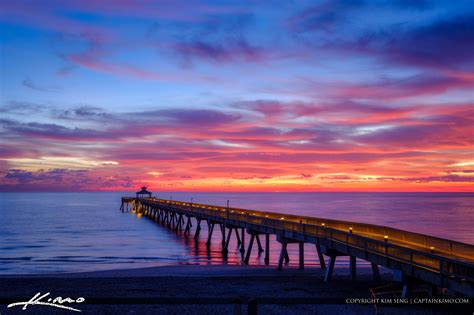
(232, 211)
(432, 249)
(350, 230)
(323, 224)
(385, 237)
(243, 212)
(266, 216)
(282, 218)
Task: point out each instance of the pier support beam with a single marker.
(174, 219)
(242, 244)
(406, 290)
(231, 229)
(179, 222)
(267, 249)
(198, 228)
(238, 236)
(322, 263)
(188, 227)
(283, 254)
(249, 250)
(254, 236)
(225, 250)
(260, 248)
(329, 271)
(209, 234)
(401, 277)
(375, 271)
(223, 233)
(353, 268)
(301, 255)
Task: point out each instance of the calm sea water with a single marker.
(72, 232)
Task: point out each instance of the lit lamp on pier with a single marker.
(385, 238)
(350, 230)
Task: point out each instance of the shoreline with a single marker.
(203, 289)
(187, 269)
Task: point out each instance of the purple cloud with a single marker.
(32, 85)
(61, 180)
(443, 178)
(219, 52)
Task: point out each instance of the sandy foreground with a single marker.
(210, 289)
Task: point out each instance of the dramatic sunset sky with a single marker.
(237, 96)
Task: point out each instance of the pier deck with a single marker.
(413, 257)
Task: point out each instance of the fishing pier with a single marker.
(413, 258)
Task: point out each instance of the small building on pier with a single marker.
(143, 193)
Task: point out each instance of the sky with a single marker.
(331, 95)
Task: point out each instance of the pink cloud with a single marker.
(249, 148)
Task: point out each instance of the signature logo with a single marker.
(57, 302)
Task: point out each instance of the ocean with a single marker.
(77, 232)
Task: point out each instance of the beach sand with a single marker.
(184, 289)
